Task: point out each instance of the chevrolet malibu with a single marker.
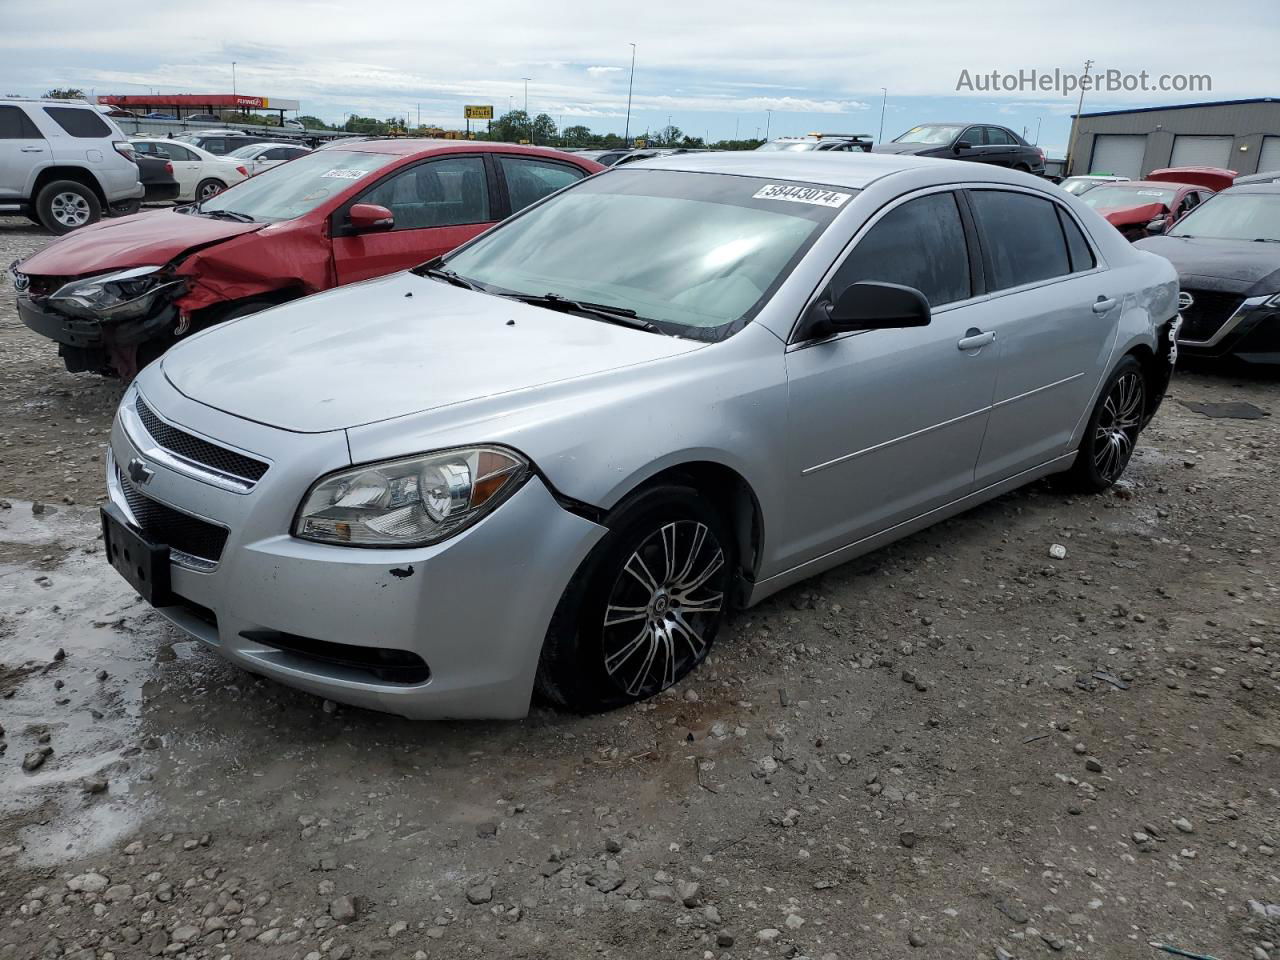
(557, 457)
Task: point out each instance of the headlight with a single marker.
(113, 296)
(411, 502)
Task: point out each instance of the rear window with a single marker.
(1023, 237)
(16, 125)
(80, 122)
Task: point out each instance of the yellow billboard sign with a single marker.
(478, 112)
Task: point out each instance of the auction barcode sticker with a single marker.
(821, 198)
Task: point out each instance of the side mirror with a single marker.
(370, 217)
(869, 305)
(961, 145)
(1157, 225)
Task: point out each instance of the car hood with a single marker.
(144, 239)
(1235, 266)
(392, 347)
(1142, 213)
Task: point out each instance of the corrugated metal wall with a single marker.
(1245, 123)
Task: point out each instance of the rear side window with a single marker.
(529, 180)
(1082, 257)
(996, 135)
(1022, 236)
(16, 125)
(79, 122)
(919, 244)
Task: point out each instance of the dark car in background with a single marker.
(157, 179)
(1143, 208)
(1227, 254)
(840, 142)
(977, 142)
(222, 142)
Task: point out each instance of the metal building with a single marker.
(1241, 135)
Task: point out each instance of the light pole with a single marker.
(1075, 124)
(1037, 143)
(233, 80)
(527, 118)
(626, 131)
(884, 100)
(768, 121)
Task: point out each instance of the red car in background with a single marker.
(115, 295)
(1140, 208)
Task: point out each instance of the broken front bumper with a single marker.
(88, 344)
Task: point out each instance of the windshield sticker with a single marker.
(821, 198)
(340, 174)
(1151, 193)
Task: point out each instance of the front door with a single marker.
(22, 151)
(437, 205)
(885, 425)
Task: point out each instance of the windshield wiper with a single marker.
(228, 215)
(622, 316)
(448, 276)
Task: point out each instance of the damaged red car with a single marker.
(115, 295)
(1142, 208)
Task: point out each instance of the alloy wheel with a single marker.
(209, 190)
(70, 210)
(670, 591)
(1118, 426)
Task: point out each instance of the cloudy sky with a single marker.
(712, 66)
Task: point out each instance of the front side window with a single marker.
(974, 137)
(291, 190)
(79, 122)
(698, 254)
(529, 180)
(919, 244)
(439, 193)
(1022, 236)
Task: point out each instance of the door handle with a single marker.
(1103, 304)
(975, 339)
(32, 149)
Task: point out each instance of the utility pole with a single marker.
(233, 80)
(526, 94)
(883, 102)
(767, 123)
(626, 132)
(1037, 143)
(1075, 124)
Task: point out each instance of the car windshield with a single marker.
(1126, 195)
(930, 133)
(788, 145)
(698, 254)
(1079, 185)
(1228, 216)
(292, 189)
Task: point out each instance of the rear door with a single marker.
(437, 204)
(1054, 308)
(1001, 149)
(188, 168)
(526, 180)
(23, 150)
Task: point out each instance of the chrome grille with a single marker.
(164, 525)
(197, 451)
(1209, 310)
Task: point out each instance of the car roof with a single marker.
(1260, 187)
(412, 145)
(856, 170)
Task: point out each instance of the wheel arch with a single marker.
(78, 174)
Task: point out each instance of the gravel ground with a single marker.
(959, 746)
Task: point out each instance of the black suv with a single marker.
(979, 142)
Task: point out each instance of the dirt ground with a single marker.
(956, 747)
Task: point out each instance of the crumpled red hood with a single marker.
(1127, 216)
(144, 239)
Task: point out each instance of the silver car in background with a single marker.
(558, 456)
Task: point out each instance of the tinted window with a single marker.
(16, 125)
(176, 152)
(1022, 236)
(973, 136)
(164, 152)
(291, 152)
(997, 135)
(439, 193)
(530, 180)
(214, 144)
(276, 153)
(79, 122)
(1081, 255)
(919, 244)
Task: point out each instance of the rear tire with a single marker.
(643, 610)
(1112, 431)
(65, 205)
(208, 188)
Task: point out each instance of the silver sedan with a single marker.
(556, 458)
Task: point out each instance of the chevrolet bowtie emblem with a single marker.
(139, 472)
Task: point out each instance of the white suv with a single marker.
(62, 163)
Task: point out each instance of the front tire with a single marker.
(65, 205)
(644, 609)
(1112, 431)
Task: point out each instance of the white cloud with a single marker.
(600, 71)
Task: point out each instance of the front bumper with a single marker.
(1251, 333)
(74, 332)
(475, 608)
